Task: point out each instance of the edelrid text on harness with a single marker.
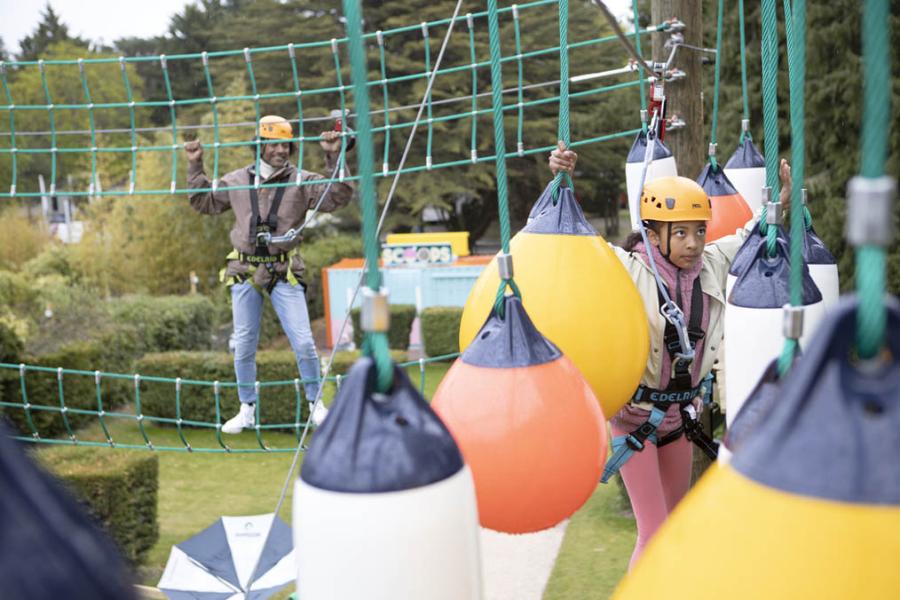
(679, 391)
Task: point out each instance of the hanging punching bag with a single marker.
(810, 505)
(578, 294)
(729, 210)
(663, 165)
(385, 507)
(527, 423)
(753, 321)
(746, 170)
(822, 267)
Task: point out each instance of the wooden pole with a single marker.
(684, 97)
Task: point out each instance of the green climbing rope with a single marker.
(376, 343)
(795, 30)
(870, 259)
(500, 148)
(745, 100)
(564, 129)
(770, 112)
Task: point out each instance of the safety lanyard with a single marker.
(257, 225)
(680, 378)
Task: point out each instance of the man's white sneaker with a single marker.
(319, 414)
(245, 419)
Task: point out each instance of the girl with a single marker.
(655, 461)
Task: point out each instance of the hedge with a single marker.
(111, 351)
(10, 352)
(119, 489)
(402, 317)
(440, 329)
(168, 323)
(277, 404)
(344, 360)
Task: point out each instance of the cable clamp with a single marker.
(428, 163)
(774, 214)
(470, 21)
(204, 58)
(291, 51)
(505, 266)
(162, 61)
(384, 169)
(870, 219)
(375, 314)
(745, 125)
(334, 46)
(712, 149)
(675, 25)
(81, 66)
(792, 325)
(379, 36)
(515, 11)
(674, 123)
(425, 30)
(474, 156)
(247, 55)
(520, 149)
(803, 196)
(675, 75)
(644, 116)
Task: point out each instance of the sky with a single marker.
(108, 20)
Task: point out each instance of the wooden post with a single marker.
(684, 97)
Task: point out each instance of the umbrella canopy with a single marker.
(217, 563)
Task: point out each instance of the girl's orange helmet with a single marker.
(675, 198)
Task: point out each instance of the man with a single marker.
(257, 266)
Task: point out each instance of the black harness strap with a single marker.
(258, 225)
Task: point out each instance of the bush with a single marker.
(440, 329)
(402, 317)
(54, 260)
(20, 239)
(117, 488)
(19, 303)
(10, 352)
(168, 323)
(278, 404)
(344, 360)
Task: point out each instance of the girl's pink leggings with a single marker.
(656, 479)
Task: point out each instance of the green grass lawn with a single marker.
(196, 488)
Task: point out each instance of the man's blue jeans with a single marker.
(289, 302)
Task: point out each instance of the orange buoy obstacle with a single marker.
(527, 423)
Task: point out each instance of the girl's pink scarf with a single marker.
(632, 416)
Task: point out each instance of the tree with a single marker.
(49, 31)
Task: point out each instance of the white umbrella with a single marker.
(218, 562)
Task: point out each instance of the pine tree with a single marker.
(49, 31)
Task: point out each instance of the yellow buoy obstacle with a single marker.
(809, 506)
(578, 295)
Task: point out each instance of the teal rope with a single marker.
(871, 260)
(795, 29)
(385, 156)
(637, 47)
(340, 81)
(521, 117)
(471, 26)
(430, 118)
(715, 116)
(298, 92)
(63, 410)
(770, 111)
(744, 95)
(376, 344)
(52, 117)
(91, 124)
(564, 129)
(215, 114)
(500, 148)
(12, 127)
(26, 406)
(100, 412)
(171, 102)
(132, 184)
(256, 109)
